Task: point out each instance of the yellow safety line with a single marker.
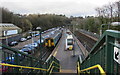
(55, 52)
(93, 67)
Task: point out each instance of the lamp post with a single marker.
(39, 28)
(101, 29)
(31, 34)
(112, 24)
(6, 38)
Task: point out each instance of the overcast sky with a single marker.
(67, 7)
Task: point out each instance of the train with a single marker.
(69, 41)
(52, 40)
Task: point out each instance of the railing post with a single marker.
(109, 64)
(16, 60)
(31, 64)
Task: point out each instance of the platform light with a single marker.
(39, 29)
(112, 24)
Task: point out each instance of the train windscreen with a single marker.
(70, 41)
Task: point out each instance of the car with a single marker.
(37, 34)
(33, 35)
(29, 46)
(34, 45)
(46, 36)
(29, 37)
(13, 43)
(52, 32)
(28, 50)
(0, 47)
(22, 39)
(42, 32)
(42, 40)
(23, 52)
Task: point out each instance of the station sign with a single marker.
(117, 53)
(10, 32)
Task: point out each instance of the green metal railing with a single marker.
(14, 57)
(103, 54)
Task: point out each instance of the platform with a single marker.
(66, 58)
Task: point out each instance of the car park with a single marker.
(13, 43)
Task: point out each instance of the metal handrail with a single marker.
(11, 65)
(51, 63)
(93, 67)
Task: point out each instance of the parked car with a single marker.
(31, 47)
(22, 39)
(13, 43)
(42, 40)
(23, 52)
(0, 47)
(37, 34)
(29, 37)
(28, 50)
(34, 45)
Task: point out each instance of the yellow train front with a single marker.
(52, 41)
(49, 43)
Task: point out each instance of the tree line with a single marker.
(32, 21)
(105, 15)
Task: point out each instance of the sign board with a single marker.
(117, 54)
(10, 32)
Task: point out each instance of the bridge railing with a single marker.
(105, 53)
(16, 58)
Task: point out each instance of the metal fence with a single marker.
(15, 57)
(90, 33)
(106, 53)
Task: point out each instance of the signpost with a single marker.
(117, 53)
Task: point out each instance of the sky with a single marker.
(65, 7)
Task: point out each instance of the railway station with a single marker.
(53, 58)
(62, 37)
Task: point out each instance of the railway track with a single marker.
(87, 42)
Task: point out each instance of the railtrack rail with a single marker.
(87, 42)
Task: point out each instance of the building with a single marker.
(9, 32)
(9, 29)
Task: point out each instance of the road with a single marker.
(67, 61)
